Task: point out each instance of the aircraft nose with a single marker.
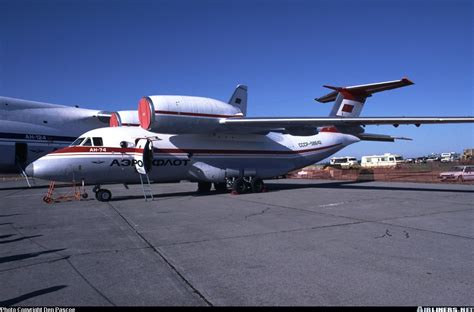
(30, 170)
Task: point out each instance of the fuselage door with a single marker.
(144, 158)
(21, 154)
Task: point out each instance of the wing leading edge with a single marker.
(261, 125)
(276, 122)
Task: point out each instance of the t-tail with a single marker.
(349, 101)
(239, 99)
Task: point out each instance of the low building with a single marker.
(468, 154)
(379, 161)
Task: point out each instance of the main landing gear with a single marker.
(247, 184)
(239, 185)
(102, 195)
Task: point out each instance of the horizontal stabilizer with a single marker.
(365, 90)
(379, 137)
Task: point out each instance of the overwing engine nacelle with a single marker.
(189, 114)
(124, 118)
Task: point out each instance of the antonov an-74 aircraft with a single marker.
(208, 141)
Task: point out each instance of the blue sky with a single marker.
(107, 54)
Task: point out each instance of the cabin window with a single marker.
(87, 142)
(97, 141)
(78, 141)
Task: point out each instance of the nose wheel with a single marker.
(102, 195)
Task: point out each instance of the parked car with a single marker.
(458, 173)
(420, 160)
(433, 157)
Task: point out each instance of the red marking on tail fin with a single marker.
(348, 108)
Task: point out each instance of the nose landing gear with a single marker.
(102, 195)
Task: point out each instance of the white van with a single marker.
(345, 162)
(378, 161)
(449, 157)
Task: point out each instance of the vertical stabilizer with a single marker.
(239, 99)
(347, 105)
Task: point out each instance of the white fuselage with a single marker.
(193, 157)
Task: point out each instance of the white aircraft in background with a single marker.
(208, 141)
(29, 130)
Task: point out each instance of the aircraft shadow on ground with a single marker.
(36, 293)
(353, 185)
(276, 187)
(166, 195)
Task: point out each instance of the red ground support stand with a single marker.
(78, 193)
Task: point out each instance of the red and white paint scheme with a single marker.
(209, 141)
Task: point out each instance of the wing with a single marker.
(29, 111)
(258, 125)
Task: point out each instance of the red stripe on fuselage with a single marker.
(96, 149)
(195, 114)
(84, 150)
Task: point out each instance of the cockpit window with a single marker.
(87, 142)
(97, 141)
(78, 141)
